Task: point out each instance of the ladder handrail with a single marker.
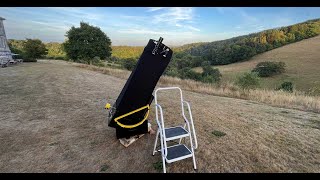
(161, 125)
(182, 107)
(167, 88)
(191, 120)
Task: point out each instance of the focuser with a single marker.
(164, 51)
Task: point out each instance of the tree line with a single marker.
(242, 48)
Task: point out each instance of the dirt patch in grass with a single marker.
(104, 167)
(158, 166)
(218, 133)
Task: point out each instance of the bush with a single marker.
(29, 60)
(248, 80)
(129, 63)
(208, 79)
(55, 57)
(205, 64)
(286, 86)
(210, 75)
(173, 72)
(60, 58)
(267, 69)
(95, 61)
(34, 48)
(99, 63)
(188, 73)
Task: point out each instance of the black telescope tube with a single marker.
(137, 92)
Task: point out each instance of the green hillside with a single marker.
(242, 48)
(302, 61)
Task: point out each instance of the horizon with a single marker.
(133, 27)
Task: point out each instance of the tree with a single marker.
(86, 42)
(34, 48)
(248, 80)
(205, 64)
(211, 75)
(129, 63)
(242, 48)
(267, 68)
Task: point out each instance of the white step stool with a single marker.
(179, 151)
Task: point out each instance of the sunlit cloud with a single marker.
(151, 9)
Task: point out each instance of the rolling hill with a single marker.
(302, 65)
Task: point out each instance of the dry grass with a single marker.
(302, 61)
(296, 100)
(53, 120)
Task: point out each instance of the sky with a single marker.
(134, 26)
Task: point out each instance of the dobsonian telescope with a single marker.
(130, 111)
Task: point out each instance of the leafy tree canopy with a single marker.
(34, 48)
(86, 42)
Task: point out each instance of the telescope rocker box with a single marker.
(132, 106)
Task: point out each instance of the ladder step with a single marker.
(178, 152)
(175, 133)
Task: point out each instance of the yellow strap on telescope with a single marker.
(132, 112)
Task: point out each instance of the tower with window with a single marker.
(5, 53)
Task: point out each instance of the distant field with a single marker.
(302, 60)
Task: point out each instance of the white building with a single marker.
(5, 53)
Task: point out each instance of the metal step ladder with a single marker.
(178, 151)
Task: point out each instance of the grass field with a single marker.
(53, 120)
(302, 60)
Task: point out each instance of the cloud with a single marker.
(192, 28)
(151, 9)
(174, 15)
(181, 17)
